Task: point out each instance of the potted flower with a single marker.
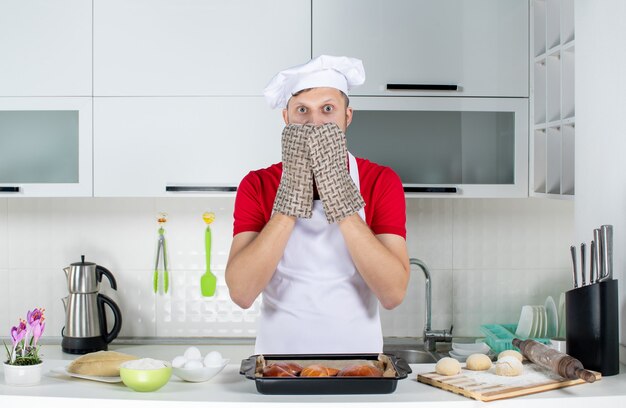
(23, 365)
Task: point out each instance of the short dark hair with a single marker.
(345, 97)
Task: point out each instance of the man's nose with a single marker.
(316, 119)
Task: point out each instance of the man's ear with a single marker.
(286, 116)
(348, 116)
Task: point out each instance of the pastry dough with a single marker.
(511, 353)
(100, 363)
(509, 366)
(478, 362)
(448, 366)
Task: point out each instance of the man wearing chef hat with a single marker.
(321, 234)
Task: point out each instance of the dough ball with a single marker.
(179, 361)
(214, 358)
(193, 353)
(448, 366)
(511, 353)
(509, 366)
(478, 362)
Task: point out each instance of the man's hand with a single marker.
(295, 192)
(340, 196)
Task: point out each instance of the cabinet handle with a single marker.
(198, 189)
(422, 87)
(447, 190)
(9, 189)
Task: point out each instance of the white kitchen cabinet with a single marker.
(45, 147)
(143, 145)
(446, 147)
(481, 46)
(196, 47)
(553, 114)
(45, 48)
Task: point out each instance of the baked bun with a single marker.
(100, 363)
(282, 370)
(363, 370)
(317, 370)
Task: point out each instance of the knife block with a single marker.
(592, 324)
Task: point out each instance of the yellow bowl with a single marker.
(145, 380)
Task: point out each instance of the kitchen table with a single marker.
(231, 389)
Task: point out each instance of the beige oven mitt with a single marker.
(295, 191)
(329, 161)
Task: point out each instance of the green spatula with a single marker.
(208, 281)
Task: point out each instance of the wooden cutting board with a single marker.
(493, 387)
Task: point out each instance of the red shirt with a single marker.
(381, 188)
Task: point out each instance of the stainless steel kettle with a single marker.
(86, 328)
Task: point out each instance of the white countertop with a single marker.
(229, 388)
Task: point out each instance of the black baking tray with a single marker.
(324, 385)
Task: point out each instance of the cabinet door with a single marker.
(196, 47)
(479, 45)
(144, 145)
(45, 147)
(45, 48)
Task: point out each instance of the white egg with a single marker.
(214, 358)
(193, 364)
(179, 361)
(192, 353)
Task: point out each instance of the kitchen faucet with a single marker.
(431, 337)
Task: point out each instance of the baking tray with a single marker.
(325, 385)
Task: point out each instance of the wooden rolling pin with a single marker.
(564, 365)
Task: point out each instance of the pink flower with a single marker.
(18, 333)
(35, 315)
(38, 331)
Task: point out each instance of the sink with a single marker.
(413, 356)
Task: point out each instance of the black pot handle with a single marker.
(401, 364)
(117, 313)
(101, 270)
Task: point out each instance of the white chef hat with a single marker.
(343, 73)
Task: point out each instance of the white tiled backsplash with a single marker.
(487, 257)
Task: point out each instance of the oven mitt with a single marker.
(295, 191)
(329, 161)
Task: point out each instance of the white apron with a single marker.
(317, 302)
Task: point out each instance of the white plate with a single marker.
(199, 374)
(524, 326)
(470, 348)
(63, 370)
(561, 332)
(553, 317)
(462, 358)
(543, 322)
(534, 328)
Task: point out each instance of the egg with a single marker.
(179, 361)
(193, 353)
(214, 358)
(193, 364)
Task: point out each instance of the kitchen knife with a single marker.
(592, 263)
(598, 238)
(583, 263)
(606, 232)
(572, 249)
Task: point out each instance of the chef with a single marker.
(322, 235)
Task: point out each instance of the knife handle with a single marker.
(583, 263)
(592, 263)
(598, 238)
(572, 250)
(606, 232)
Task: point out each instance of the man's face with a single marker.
(318, 106)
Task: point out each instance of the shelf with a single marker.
(567, 160)
(567, 21)
(553, 87)
(540, 161)
(567, 83)
(540, 92)
(553, 23)
(540, 28)
(553, 160)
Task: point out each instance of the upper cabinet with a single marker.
(159, 146)
(426, 47)
(45, 147)
(45, 48)
(196, 47)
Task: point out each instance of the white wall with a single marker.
(488, 257)
(601, 128)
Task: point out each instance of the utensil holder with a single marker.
(592, 326)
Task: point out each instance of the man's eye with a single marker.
(328, 108)
(301, 109)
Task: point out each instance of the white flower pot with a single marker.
(22, 375)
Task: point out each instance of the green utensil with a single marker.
(161, 255)
(208, 281)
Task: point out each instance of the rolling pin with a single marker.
(562, 364)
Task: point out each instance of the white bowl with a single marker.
(470, 348)
(199, 374)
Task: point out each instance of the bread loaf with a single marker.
(282, 370)
(317, 370)
(100, 363)
(363, 370)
